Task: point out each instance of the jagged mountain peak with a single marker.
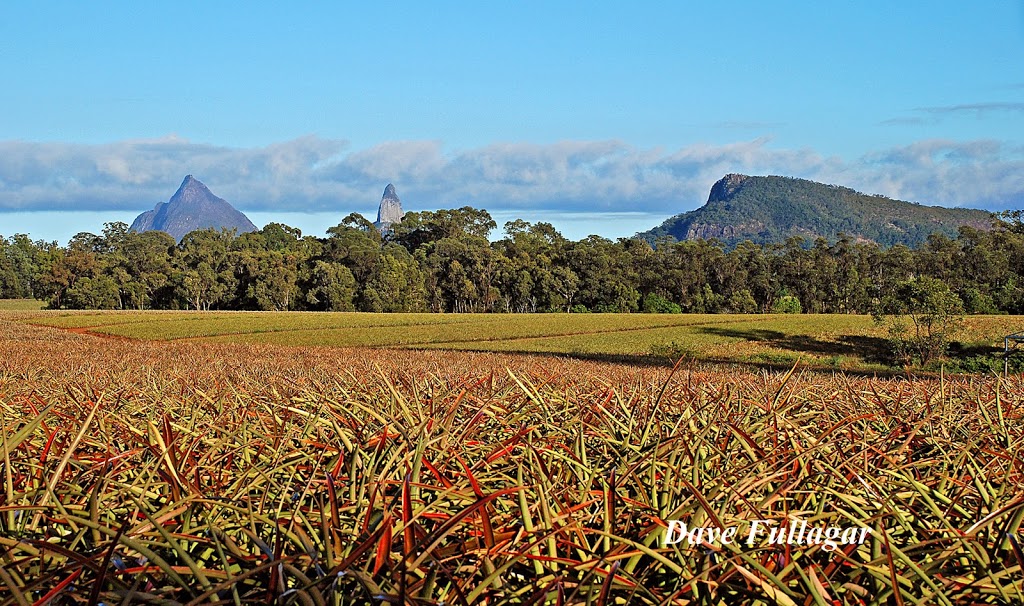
(390, 210)
(193, 206)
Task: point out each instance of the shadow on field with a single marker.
(651, 361)
(958, 349)
(869, 349)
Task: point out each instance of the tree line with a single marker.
(443, 261)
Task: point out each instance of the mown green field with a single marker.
(21, 304)
(846, 342)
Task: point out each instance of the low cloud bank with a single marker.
(312, 174)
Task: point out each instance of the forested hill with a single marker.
(772, 209)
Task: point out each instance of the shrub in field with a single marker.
(657, 304)
(787, 304)
(921, 316)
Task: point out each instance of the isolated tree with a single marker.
(922, 316)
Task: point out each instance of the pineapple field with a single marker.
(137, 468)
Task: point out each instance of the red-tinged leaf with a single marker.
(606, 587)
(746, 438)
(548, 559)
(508, 445)
(369, 509)
(138, 570)
(1018, 551)
(97, 585)
(169, 438)
(59, 588)
(332, 494)
(440, 478)
(704, 503)
(336, 470)
(49, 444)
(435, 539)
(610, 495)
(485, 519)
(407, 534)
(897, 593)
(383, 547)
(472, 479)
(822, 591)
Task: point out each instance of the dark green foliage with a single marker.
(922, 317)
(987, 364)
(99, 292)
(787, 304)
(331, 287)
(771, 209)
(657, 304)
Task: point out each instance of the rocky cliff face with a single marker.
(192, 207)
(724, 188)
(390, 210)
(707, 231)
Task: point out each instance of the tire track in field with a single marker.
(492, 319)
(319, 328)
(92, 329)
(83, 330)
(573, 334)
(419, 344)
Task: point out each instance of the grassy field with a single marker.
(21, 304)
(138, 471)
(840, 342)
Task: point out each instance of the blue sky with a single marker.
(601, 117)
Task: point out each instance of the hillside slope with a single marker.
(772, 209)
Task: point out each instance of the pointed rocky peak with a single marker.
(390, 210)
(192, 207)
(191, 190)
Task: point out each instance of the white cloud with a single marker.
(975, 173)
(312, 174)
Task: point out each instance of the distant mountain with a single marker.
(772, 209)
(192, 207)
(390, 210)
